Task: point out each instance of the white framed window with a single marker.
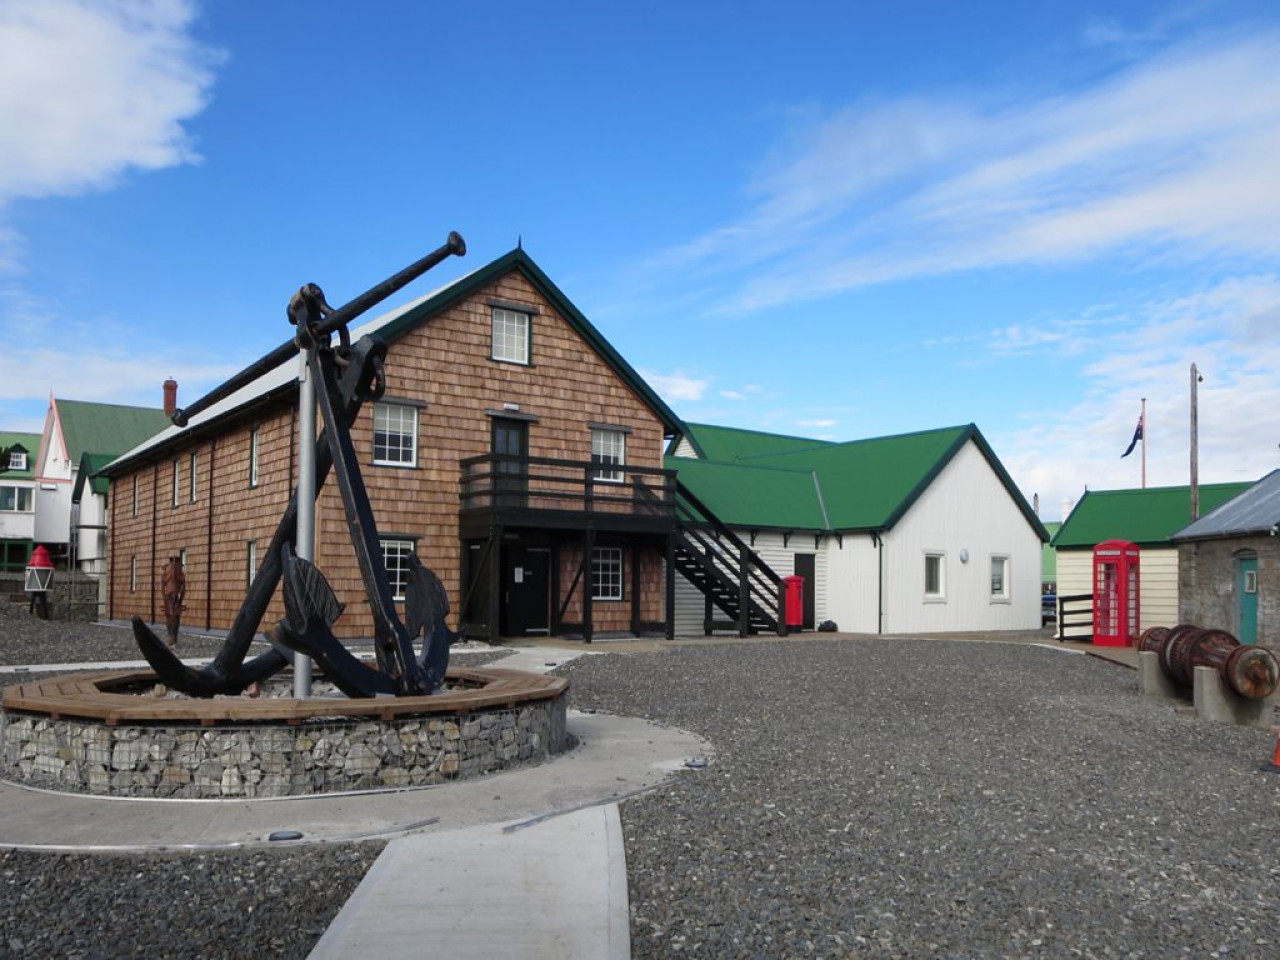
(250, 562)
(133, 574)
(191, 483)
(395, 435)
(395, 557)
(253, 457)
(935, 576)
(999, 577)
(135, 495)
(510, 336)
(177, 480)
(16, 499)
(606, 574)
(608, 448)
(17, 460)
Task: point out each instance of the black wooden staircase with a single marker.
(742, 592)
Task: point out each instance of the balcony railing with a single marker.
(575, 486)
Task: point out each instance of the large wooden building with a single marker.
(512, 446)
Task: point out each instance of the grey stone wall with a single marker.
(270, 760)
(70, 598)
(1207, 584)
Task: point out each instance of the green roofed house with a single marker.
(921, 532)
(79, 438)
(17, 498)
(1146, 517)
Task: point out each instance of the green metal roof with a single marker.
(107, 428)
(860, 485)
(29, 442)
(1049, 555)
(90, 464)
(729, 443)
(748, 496)
(1147, 517)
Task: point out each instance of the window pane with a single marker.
(8, 498)
(606, 574)
(998, 576)
(253, 457)
(395, 556)
(933, 575)
(510, 335)
(395, 434)
(609, 447)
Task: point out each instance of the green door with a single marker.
(1247, 599)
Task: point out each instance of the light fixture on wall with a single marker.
(964, 556)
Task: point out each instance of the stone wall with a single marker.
(70, 598)
(1207, 584)
(276, 760)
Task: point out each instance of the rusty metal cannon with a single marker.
(1249, 670)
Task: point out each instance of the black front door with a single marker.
(510, 444)
(807, 567)
(526, 595)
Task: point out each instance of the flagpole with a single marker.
(1144, 443)
(1195, 444)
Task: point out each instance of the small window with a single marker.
(177, 480)
(395, 556)
(395, 435)
(510, 336)
(999, 578)
(135, 495)
(191, 470)
(251, 562)
(606, 574)
(15, 500)
(17, 460)
(133, 574)
(253, 457)
(935, 585)
(1251, 581)
(608, 448)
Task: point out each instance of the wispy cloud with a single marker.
(676, 386)
(1169, 157)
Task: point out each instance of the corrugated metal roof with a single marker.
(1147, 517)
(750, 496)
(1255, 511)
(730, 443)
(106, 427)
(29, 442)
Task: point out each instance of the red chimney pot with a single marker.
(170, 397)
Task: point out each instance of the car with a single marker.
(1048, 609)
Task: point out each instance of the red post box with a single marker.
(795, 601)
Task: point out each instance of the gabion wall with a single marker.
(276, 760)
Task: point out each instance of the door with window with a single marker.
(526, 593)
(1247, 597)
(510, 448)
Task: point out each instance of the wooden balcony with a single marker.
(542, 492)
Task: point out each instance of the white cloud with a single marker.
(89, 90)
(1169, 157)
(675, 386)
(816, 424)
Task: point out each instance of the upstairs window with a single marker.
(253, 457)
(510, 336)
(608, 449)
(177, 480)
(135, 495)
(191, 467)
(395, 435)
(17, 460)
(15, 500)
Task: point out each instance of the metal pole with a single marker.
(305, 539)
(1195, 445)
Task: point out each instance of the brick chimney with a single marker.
(170, 397)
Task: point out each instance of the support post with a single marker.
(670, 575)
(305, 537)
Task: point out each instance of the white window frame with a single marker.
(177, 480)
(1003, 595)
(18, 498)
(17, 460)
(940, 595)
(608, 574)
(133, 574)
(135, 495)
(395, 557)
(609, 448)
(510, 334)
(253, 457)
(192, 465)
(251, 562)
(399, 420)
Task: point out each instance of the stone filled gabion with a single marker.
(276, 760)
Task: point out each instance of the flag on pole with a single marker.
(1137, 435)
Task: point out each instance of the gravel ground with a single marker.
(920, 798)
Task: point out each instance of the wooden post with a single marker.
(671, 586)
(1195, 444)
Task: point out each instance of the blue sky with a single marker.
(827, 219)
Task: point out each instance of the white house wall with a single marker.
(853, 581)
(966, 508)
(1157, 582)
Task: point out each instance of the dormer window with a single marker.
(510, 336)
(17, 459)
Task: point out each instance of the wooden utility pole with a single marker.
(1195, 445)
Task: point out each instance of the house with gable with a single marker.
(80, 436)
(920, 532)
(1147, 517)
(17, 499)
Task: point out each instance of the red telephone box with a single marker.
(1116, 592)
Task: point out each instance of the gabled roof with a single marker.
(108, 428)
(729, 443)
(1049, 556)
(1148, 517)
(1254, 512)
(29, 442)
(90, 464)
(282, 380)
(863, 485)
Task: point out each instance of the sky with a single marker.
(821, 219)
